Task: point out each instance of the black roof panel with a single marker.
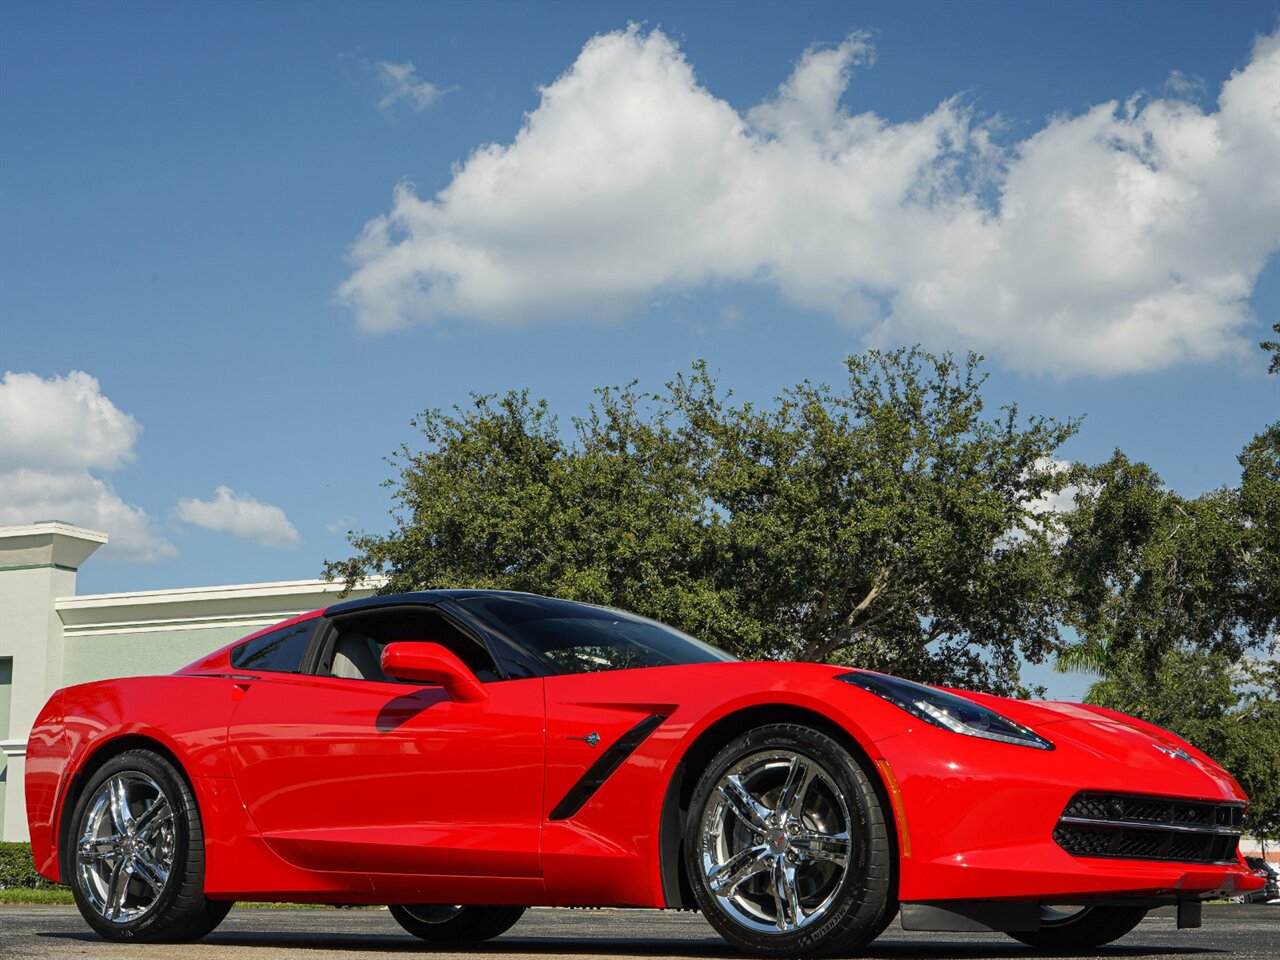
(418, 596)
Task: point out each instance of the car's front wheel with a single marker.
(455, 924)
(1081, 928)
(787, 846)
(135, 857)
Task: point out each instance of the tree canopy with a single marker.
(1146, 570)
(892, 523)
(1273, 347)
(1175, 603)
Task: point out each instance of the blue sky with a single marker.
(181, 186)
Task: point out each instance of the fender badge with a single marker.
(592, 738)
(1176, 754)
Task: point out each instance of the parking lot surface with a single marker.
(57, 933)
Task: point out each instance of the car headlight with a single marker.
(946, 710)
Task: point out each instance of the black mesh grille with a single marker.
(1150, 828)
(1118, 806)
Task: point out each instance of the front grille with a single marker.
(1135, 827)
(1166, 810)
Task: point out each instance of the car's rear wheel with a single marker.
(442, 923)
(135, 857)
(1074, 928)
(787, 847)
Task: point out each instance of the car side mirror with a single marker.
(432, 663)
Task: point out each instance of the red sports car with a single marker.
(461, 755)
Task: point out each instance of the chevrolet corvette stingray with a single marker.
(461, 755)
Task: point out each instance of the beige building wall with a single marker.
(38, 562)
(157, 631)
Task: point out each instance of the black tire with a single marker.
(886, 919)
(446, 924)
(152, 907)
(798, 860)
(1082, 929)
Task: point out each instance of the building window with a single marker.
(6, 690)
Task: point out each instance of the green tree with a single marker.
(1175, 602)
(1260, 510)
(1273, 347)
(891, 523)
(1146, 569)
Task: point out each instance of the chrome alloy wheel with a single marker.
(125, 852)
(776, 842)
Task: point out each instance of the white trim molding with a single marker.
(47, 527)
(243, 606)
(13, 748)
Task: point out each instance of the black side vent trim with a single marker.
(600, 771)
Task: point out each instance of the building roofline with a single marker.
(232, 591)
(46, 527)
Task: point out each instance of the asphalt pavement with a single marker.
(1241, 932)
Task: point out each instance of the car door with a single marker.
(343, 769)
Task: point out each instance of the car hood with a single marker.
(1155, 760)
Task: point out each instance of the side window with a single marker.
(357, 652)
(280, 651)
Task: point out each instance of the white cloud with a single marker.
(1184, 85)
(730, 315)
(55, 436)
(241, 516)
(87, 501)
(63, 423)
(1044, 513)
(341, 524)
(1128, 237)
(1064, 500)
(405, 87)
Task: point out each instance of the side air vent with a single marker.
(1138, 827)
(604, 768)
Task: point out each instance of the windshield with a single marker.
(578, 638)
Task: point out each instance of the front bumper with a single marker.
(978, 818)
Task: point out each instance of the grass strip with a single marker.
(29, 895)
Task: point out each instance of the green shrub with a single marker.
(17, 869)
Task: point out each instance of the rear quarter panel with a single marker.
(46, 763)
(185, 715)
